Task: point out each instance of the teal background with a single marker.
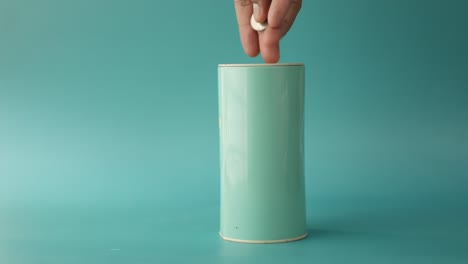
(109, 135)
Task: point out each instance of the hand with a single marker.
(280, 15)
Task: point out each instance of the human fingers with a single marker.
(260, 10)
(249, 37)
(277, 11)
(290, 17)
(270, 38)
(269, 44)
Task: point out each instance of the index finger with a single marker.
(249, 37)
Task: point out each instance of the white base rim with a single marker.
(263, 241)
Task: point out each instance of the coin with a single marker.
(257, 26)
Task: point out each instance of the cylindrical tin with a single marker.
(261, 125)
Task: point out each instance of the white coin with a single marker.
(257, 26)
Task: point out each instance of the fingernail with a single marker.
(257, 12)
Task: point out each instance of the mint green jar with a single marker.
(261, 125)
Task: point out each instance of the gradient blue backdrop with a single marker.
(109, 134)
